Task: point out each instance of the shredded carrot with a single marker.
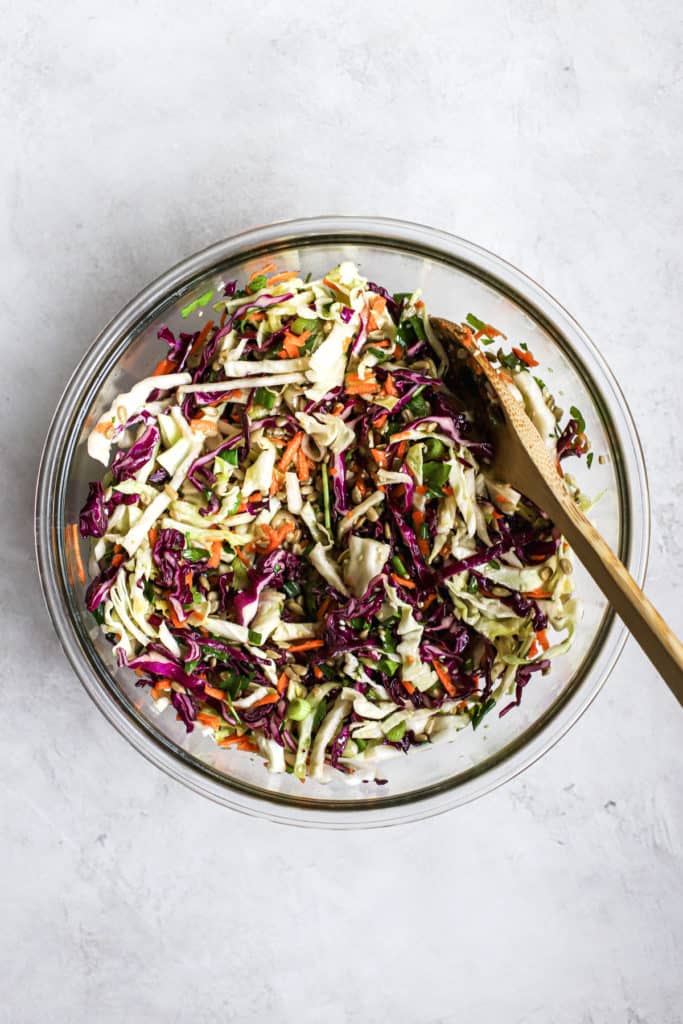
(229, 741)
(116, 560)
(287, 275)
(76, 551)
(381, 422)
(533, 650)
(317, 672)
(526, 357)
(102, 428)
(421, 489)
(390, 387)
(366, 387)
(216, 549)
(275, 537)
(175, 621)
(372, 323)
(209, 719)
(213, 691)
(307, 645)
(269, 268)
(542, 638)
(204, 426)
(538, 593)
(402, 582)
(153, 535)
(362, 487)
(402, 449)
(270, 698)
(408, 686)
(290, 451)
(505, 377)
(428, 601)
(324, 608)
(254, 274)
(203, 335)
(303, 466)
(246, 744)
(160, 687)
(243, 560)
(380, 457)
(445, 678)
(282, 683)
(403, 435)
(163, 366)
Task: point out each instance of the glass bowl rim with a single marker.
(415, 238)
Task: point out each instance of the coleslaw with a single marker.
(299, 544)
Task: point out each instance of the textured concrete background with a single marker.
(135, 133)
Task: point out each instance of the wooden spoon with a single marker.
(523, 460)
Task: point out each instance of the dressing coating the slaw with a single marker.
(299, 543)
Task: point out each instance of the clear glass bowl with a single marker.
(457, 277)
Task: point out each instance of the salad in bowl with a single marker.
(298, 543)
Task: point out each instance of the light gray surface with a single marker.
(135, 133)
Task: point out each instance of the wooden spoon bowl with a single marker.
(522, 459)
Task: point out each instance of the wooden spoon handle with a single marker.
(662, 647)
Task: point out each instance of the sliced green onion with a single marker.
(195, 554)
(574, 412)
(291, 588)
(298, 710)
(259, 282)
(435, 473)
(203, 300)
(230, 456)
(396, 734)
(478, 712)
(320, 713)
(399, 566)
(265, 398)
(301, 324)
(254, 637)
(417, 325)
(388, 666)
(434, 448)
(475, 322)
